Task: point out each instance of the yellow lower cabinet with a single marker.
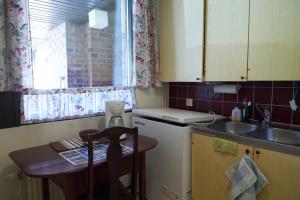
(283, 172)
(209, 181)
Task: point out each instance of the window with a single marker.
(81, 56)
(78, 44)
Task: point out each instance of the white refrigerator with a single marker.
(168, 166)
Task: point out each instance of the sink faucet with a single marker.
(266, 114)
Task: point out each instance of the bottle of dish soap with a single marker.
(236, 114)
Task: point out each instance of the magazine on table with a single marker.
(80, 156)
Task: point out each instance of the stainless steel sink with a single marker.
(278, 135)
(236, 128)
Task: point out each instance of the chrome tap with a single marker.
(266, 114)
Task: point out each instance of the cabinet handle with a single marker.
(257, 152)
(198, 79)
(247, 151)
(242, 77)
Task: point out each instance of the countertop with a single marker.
(284, 148)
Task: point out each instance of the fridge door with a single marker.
(168, 166)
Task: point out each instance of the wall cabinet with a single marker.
(242, 40)
(252, 40)
(181, 40)
(226, 40)
(274, 40)
(210, 182)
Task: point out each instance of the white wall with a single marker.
(147, 98)
(33, 135)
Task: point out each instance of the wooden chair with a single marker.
(114, 189)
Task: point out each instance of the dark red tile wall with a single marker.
(275, 94)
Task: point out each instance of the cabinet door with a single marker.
(209, 180)
(181, 40)
(274, 40)
(282, 171)
(226, 40)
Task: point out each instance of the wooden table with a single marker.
(44, 162)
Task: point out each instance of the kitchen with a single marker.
(214, 56)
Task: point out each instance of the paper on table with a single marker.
(80, 156)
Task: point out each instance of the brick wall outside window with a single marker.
(89, 55)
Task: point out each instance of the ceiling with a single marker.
(47, 14)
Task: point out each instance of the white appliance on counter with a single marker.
(114, 111)
(168, 166)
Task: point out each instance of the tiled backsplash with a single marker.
(267, 93)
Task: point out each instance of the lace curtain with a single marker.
(145, 44)
(52, 105)
(16, 74)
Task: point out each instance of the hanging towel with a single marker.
(246, 179)
(225, 146)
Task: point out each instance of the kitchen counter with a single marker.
(284, 148)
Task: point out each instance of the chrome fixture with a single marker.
(266, 114)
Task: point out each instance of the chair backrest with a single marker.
(114, 158)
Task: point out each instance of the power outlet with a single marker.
(189, 102)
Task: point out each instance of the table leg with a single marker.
(45, 189)
(142, 177)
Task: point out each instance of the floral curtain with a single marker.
(18, 45)
(2, 48)
(145, 44)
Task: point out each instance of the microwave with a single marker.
(10, 109)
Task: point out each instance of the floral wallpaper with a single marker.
(145, 44)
